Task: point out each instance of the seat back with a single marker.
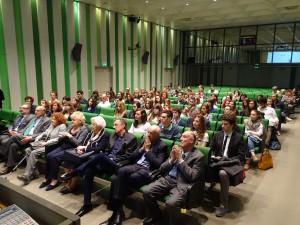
(107, 111)
(88, 117)
(169, 144)
(109, 121)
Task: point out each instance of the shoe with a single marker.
(211, 186)
(151, 220)
(254, 158)
(288, 119)
(221, 211)
(107, 222)
(67, 176)
(84, 210)
(44, 184)
(24, 178)
(65, 190)
(51, 187)
(246, 166)
(118, 218)
(7, 171)
(278, 133)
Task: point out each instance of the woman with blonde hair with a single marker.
(120, 111)
(155, 114)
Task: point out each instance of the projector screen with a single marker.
(284, 57)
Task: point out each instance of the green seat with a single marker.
(6, 117)
(129, 123)
(181, 129)
(278, 113)
(88, 117)
(205, 152)
(213, 125)
(239, 119)
(68, 123)
(266, 123)
(128, 106)
(138, 137)
(214, 116)
(169, 144)
(109, 121)
(107, 111)
(241, 128)
(98, 109)
(210, 135)
(176, 106)
(109, 131)
(218, 125)
(219, 117)
(15, 114)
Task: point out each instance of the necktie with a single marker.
(31, 125)
(17, 124)
(173, 172)
(224, 144)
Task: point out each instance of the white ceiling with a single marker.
(203, 14)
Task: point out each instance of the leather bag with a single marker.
(265, 161)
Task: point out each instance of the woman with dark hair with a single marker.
(254, 129)
(140, 124)
(55, 106)
(120, 111)
(167, 105)
(46, 105)
(148, 106)
(164, 95)
(245, 108)
(76, 104)
(48, 137)
(199, 129)
(157, 99)
(243, 97)
(68, 110)
(135, 106)
(155, 114)
(95, 95)
(236, 96)
(204, 111)
(129, 99)
(65, 99)
(91, 106)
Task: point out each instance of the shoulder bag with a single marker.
(265, 161)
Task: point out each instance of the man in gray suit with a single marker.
(184, 167)
(17, 126)
(34, 128)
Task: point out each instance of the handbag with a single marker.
(71, 155)
(265, 161)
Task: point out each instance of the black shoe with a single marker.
(51, 187)
(24, 178)
(7, 171)
(84, 210)
(67, 176)
(221, 211)
(65, 190)
(151, 220)
(107, 222)
(118, 218)
(44, 184)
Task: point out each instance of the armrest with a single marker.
(154, 174)
(195, 194)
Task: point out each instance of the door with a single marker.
(103, 78)
(168, 77)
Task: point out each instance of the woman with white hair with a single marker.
(95, 141)
(71, 138)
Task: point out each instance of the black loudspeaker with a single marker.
(76, 52)
(191, 60)
(145, 57)
(176, 60)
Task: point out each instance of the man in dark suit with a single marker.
(180, 99)
(148, 156)
(121, 145)
(18, 125)
(34, 128)
(184, 167)
(227, 159)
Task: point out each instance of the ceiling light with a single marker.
(147, 1)
(162, 7)
(187, 4)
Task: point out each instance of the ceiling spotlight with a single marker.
(147, 1)
(162, 7)
(187, 4)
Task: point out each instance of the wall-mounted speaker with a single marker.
(176, 60)
(145, 57)
(76, 52)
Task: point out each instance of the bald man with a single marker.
(151, 153)
(184, 167)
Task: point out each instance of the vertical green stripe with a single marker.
(20, 48)
(3, 65)
(144, 66)
(167, 47)
(124, 53)
(65, 46)
(139, 55)
(51, 45)
(37, 50)
(161, 55)
(151, 55)
(117, 50)
(156, 53)
(107, 38)
(88, 48)
(77, 40)
(98, 40)
(132, 45)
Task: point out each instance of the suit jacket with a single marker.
(189, 171)
(23, 124)
(236, 147)
(156, 156)
(41, 127)
(128, 145)
(52, 134)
